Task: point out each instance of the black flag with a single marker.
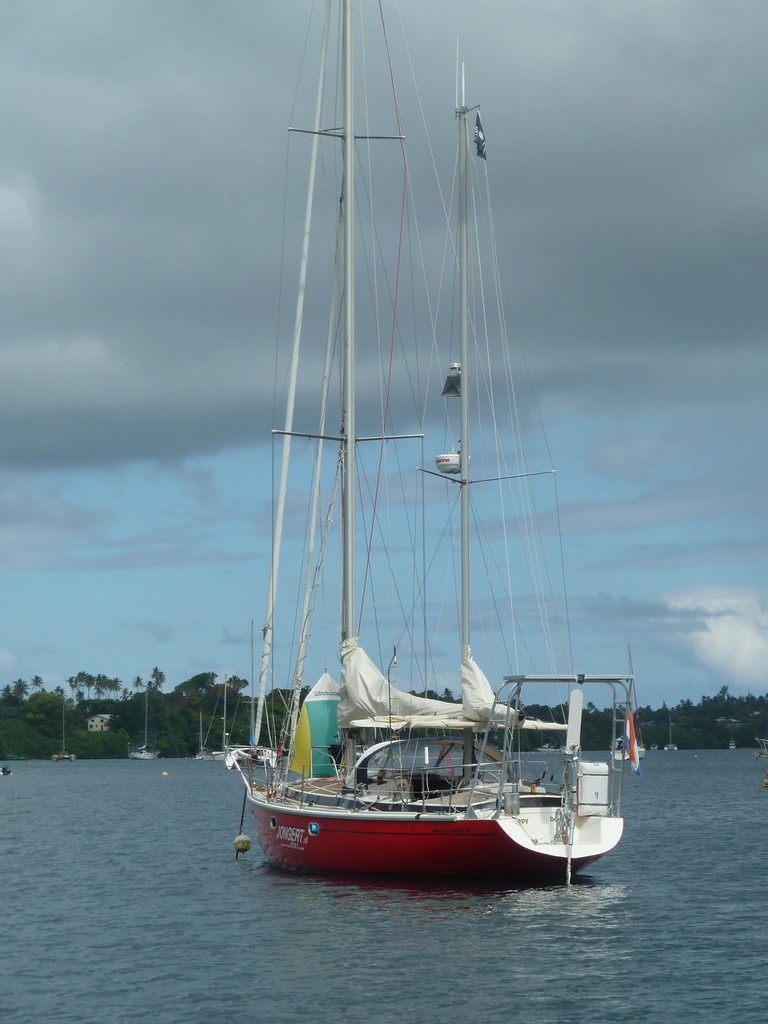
(479, 137)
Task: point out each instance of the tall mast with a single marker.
(348, 400)
(463, 355)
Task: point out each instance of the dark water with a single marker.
(122, 901)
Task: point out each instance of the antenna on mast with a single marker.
(457, 73)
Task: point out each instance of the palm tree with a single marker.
(74, 685)
(157, 679)
(112, 684)
(84, 682)
(20, 689)
(36, 683)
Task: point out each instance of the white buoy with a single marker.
(242, 843)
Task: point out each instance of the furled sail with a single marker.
(365, 693)
(477, 697)
(367, 698)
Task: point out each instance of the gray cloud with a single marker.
(146, 296)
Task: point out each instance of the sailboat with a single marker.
(670, 745)
(63, 754)
(369, 778)
(143, 753)
(204, 752)
(253, 754)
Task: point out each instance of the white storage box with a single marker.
(592, 791)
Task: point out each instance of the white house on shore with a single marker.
(99, 723)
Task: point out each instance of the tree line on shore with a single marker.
(204, 711)
(32, 718)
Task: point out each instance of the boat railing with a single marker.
(437, 789)
(576, 769)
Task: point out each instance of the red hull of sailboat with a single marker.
(298, 841)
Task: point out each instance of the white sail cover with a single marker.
(477, 697)
(366, 694)
(368, 699)
(480, 705)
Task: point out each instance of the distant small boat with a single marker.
(205, 753)
(5, 771)
(732, 744)
(63, 754)
(246, 755)
(620, 753)
(763, 744)
(250, 757)
(670, 745)
(143, 753)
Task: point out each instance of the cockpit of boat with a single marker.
(429, 763)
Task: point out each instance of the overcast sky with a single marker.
(140, 223)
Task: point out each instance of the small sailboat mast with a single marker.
(143, 753)
(63, 754)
